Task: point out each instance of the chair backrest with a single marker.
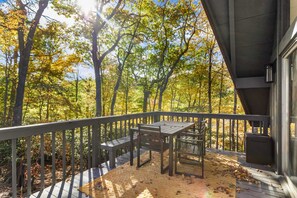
(150, 135)
(200, 129)
(202, 126)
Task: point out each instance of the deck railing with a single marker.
(224, 131)
(62, 149)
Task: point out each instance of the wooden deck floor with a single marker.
(69, 188)
(268, 186)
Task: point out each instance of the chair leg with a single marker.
(138, 154)
(161, 154)
(175, 157)
(161, 162)
(202, 166)
(178, 148)
(111, 159)
(138, 151)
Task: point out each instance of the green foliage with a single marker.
(5, 151)
(57, 88)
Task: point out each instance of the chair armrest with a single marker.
(191, 134)
(188, 134)
(194, 141)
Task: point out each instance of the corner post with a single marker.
(96, 141)
(265, 126)
(157, 116)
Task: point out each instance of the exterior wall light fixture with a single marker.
(269, 74)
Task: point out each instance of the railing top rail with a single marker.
(36, 129)
(222, 116)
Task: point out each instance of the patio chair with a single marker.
(190, 149)
(150, 138)
(196, 133)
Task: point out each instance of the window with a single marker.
(292, 171)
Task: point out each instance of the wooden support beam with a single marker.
(251, 82)
(232, 36)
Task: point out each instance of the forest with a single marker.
(66, 60)
(63, 60)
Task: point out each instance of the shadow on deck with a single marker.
(69, 188)
(268, 184)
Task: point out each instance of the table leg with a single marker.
(112, 159)
(131, 147)
(170, 155)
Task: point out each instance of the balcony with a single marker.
(63, 156)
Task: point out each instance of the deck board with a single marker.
(69, 188)
(268, 185)
(268, 182)
(245, 186)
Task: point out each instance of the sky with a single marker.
(49, 11)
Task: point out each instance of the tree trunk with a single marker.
(221, 88)
(48, 105)
(40, 111)
(184, 47)
(12, 101)
(115, 90)
(194, 102)
(172, 99)
(25, 50)
(220, 99)
(126, 94)
(76, 94)
(160, 98)
(146, 95)
(18, 107)
(76, 85)
(233, 121)
(41, 103)
(189, 101)
(98, 63)
(97, 68)
(155, 99)
(209, 92)
(126, 100)
(103, 103)
(178, 101)
(199, 96)
(13, 87)
(26, 111)
(121, 67)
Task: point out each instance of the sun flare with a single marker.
(86, 6)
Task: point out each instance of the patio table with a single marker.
(168, 128)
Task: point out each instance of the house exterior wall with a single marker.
(281, 103)
(275, 114)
